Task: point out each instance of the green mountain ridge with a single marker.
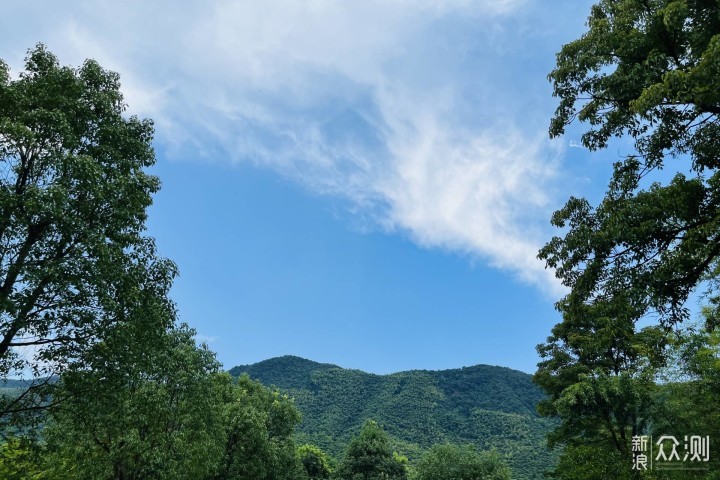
(488, 406)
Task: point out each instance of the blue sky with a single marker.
(364, 183)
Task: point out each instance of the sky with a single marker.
(358, 182)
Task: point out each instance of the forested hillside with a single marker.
(490, 407)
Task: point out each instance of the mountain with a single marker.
(12, 388)
(14, 383)
(491, 407)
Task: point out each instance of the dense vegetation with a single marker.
(489, 407)
(624, 362)
(450, 462)
(75, 265)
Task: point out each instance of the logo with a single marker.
(667, 454)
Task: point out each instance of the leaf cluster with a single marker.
(74, 263)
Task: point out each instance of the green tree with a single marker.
(19, 460)
(369, 456)
(158, 417)
(259, 423)
(592, 462)
(649, 70)
(314, 461)
(687, 403)
(73, 199)
(600, 382)
(453, 462)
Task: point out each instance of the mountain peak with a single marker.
(492, 407)
(287, 371)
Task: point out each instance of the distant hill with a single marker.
(14, 383)
(11, 387)
(491, 407)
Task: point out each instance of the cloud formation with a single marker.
(415, 111)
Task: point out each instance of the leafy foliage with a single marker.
(452, 462)
(173, 415)
(259, 424)
(647, 70)
(123, 393)
(370, 457)
(650, 70)
(157, 418)
(314, 461)
(591, 462)
(687, 397)
(74, 264)
(19, 460)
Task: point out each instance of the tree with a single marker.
(314, 461)
(592, 462)
(259, 423)
(369, 456)
(690, 388)
(19, 460)
(452, 462)
(159, 416)
(600, 381)
(649, 70)
(74, 263)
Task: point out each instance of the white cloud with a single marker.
(401, 107)
(206, 339)
(476, 195)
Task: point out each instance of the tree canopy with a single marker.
(314, 461)
(648, 71)
(370, 456)
(158, 416)
(491, 407)
(259, 423)
(452, 462)
(74, 263)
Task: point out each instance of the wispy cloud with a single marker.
(206, 339)
(405, 108)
